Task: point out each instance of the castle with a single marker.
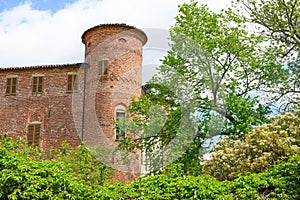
(49, 104)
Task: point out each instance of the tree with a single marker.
(206, 84)
(279, 20)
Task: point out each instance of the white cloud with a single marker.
(34, 37)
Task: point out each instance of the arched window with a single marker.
(120, 121)
(34, 133)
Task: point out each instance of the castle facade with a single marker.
(49, 104)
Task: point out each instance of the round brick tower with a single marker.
(114, 77)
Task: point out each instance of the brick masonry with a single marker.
(92, 108)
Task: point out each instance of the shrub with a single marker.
(279, 182)
(260, 149)
(25, 173)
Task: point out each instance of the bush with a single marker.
(84, 164)
(280, 182)
(71, 174)
(22, 177)
(259, 151)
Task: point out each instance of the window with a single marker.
(33, 135)
(72, 83)
(120, 125)
(11, 86)
(103, 64)
(37, 84)
(120, 121)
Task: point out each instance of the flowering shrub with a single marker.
(260, 149)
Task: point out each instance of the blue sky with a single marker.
(53, 5)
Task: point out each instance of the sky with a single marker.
(37, 32)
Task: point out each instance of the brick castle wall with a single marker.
(52, 108)
(61, 113)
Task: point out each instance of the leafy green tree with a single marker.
(206, 84)
(279, 21)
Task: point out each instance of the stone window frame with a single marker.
(34, 136)
(38, 87)
(120, 132)
(11, 87)
(103, 66)
(72, 86)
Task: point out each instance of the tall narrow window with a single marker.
(33, 135)
(11, 86)
(120, 125)
(120, 111)
(72, 83)
(103, 64)
(37, 84)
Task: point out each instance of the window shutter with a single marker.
(75, 82)
(37, 131)
(14, 86)
(69, 84)
(30, 134)
(33, 136)
(8, 85)
(34, 84)
(40, 84)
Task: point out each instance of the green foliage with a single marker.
(166, 187)
(259, 150)
(26, 174)
(22, 177)
(246, 111)
(280, 182)
(84, 164)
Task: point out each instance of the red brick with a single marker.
(60, 112)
